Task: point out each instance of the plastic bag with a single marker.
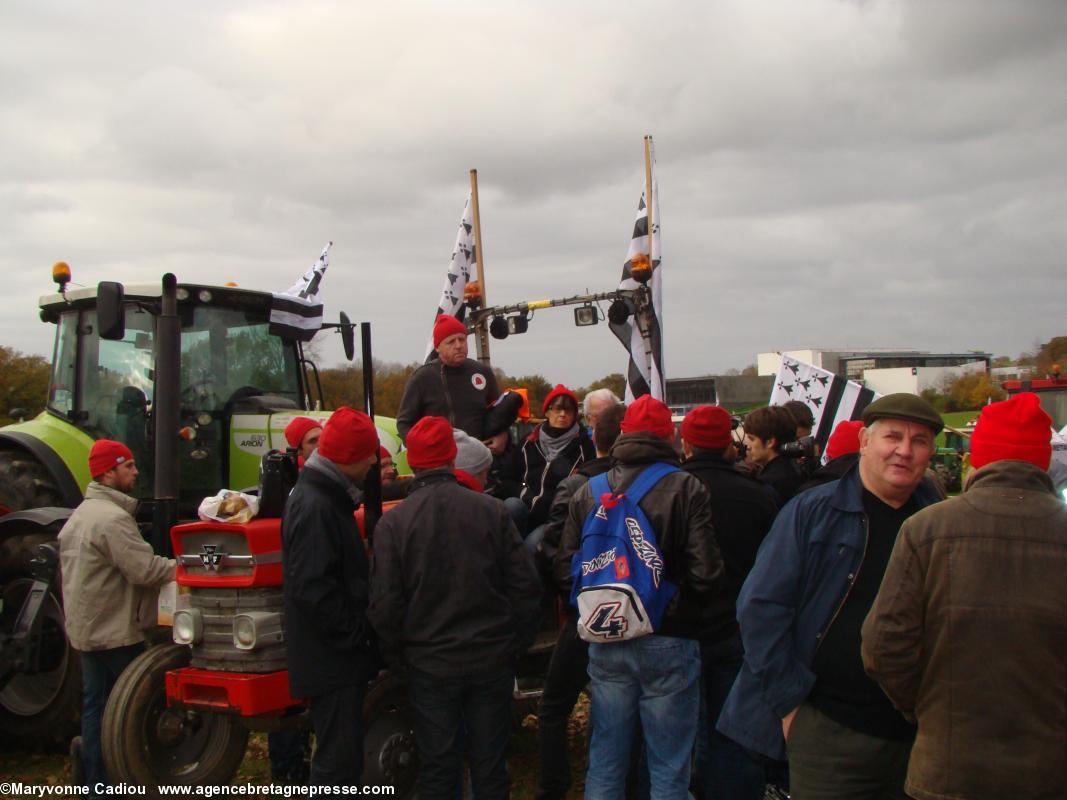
(228, 506)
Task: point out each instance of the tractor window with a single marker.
(61, 386)
(117, 377)
(227, 353)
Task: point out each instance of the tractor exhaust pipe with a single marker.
(166, 417)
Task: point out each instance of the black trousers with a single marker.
(567, 676)
(470, 713)
(337, 719)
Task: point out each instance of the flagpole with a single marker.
(643, 317)
(481, 332)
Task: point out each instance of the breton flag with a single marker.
(641, 378)
(296, 313)
(463, 264)
(831, 398)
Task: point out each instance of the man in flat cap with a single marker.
(802, 688)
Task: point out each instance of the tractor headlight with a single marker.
(253, 628)
(188, 626)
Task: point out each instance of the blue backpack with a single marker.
(619, 587)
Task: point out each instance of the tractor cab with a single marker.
(104, 381)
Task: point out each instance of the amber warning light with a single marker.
(61, 273)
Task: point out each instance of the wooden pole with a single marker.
(648, 194)
(481, 331)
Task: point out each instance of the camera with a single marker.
(804, 447)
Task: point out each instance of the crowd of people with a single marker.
(836, 627)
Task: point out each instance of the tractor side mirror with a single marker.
(110, 311)
(348, 336)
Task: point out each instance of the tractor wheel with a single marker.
(25, 483)
(40, 710)
(389, 755)
(147, 744)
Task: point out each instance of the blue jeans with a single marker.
(726, 770)
(337, 719)
(654, 679)
(100, 670)
(453, 713)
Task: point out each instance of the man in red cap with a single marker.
(328, 640)
(654, 678)
(302, 434)
(842, 453)
(111, 579)
(454, 600)
(743, 511)
(966, 635)
(460, 389)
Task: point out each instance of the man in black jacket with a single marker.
(743, 512)
(654, 677)
(567, 674)
(460, 389)
(455, 598)
(328, 648)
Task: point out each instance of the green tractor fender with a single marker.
(43, 462)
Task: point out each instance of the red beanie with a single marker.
(845, 439)
(1013, 430)
(107, 454)
(445, 326)
(648, 415)
(348, 436)
(383, 453)
(708, 427)
(559, 391)
(430, 443)
(296, 430)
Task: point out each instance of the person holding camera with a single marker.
(766, 431)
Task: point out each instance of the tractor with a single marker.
(194, 381)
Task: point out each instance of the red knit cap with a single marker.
(430, 443)
(348, 436)
(708, 427)
(445, 326)
(107, 454)
(1013, 430)
(383, 453)
(845, 439)
(648, 415)
(296, 430)
(559, 391)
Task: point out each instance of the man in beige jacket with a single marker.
(110, 581)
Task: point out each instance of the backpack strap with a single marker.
(647, 479)
(599, 484)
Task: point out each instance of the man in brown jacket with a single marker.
(968, 633)
(111, 579)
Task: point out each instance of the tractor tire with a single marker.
(25, 483)
(147, 744)
(40, 711)
(389, 754)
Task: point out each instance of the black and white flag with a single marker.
(296, 313)
(644, 375)
(460, 269)
(830, 397)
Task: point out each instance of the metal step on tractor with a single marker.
(192, 379)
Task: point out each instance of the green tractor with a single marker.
(199, 363)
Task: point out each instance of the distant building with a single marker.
(730, 391)
(854, 364)
(916, 380)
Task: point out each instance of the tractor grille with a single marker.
(216, 650)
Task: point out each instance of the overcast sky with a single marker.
(832, 174)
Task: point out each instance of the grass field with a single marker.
(53, 769)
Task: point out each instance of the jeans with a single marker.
(476, 705)
(337, 719)
(519, 512)
(567, 676)
(653, 679)
(727, 770)
(287, 750)
(100, 670)
(830, 761)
